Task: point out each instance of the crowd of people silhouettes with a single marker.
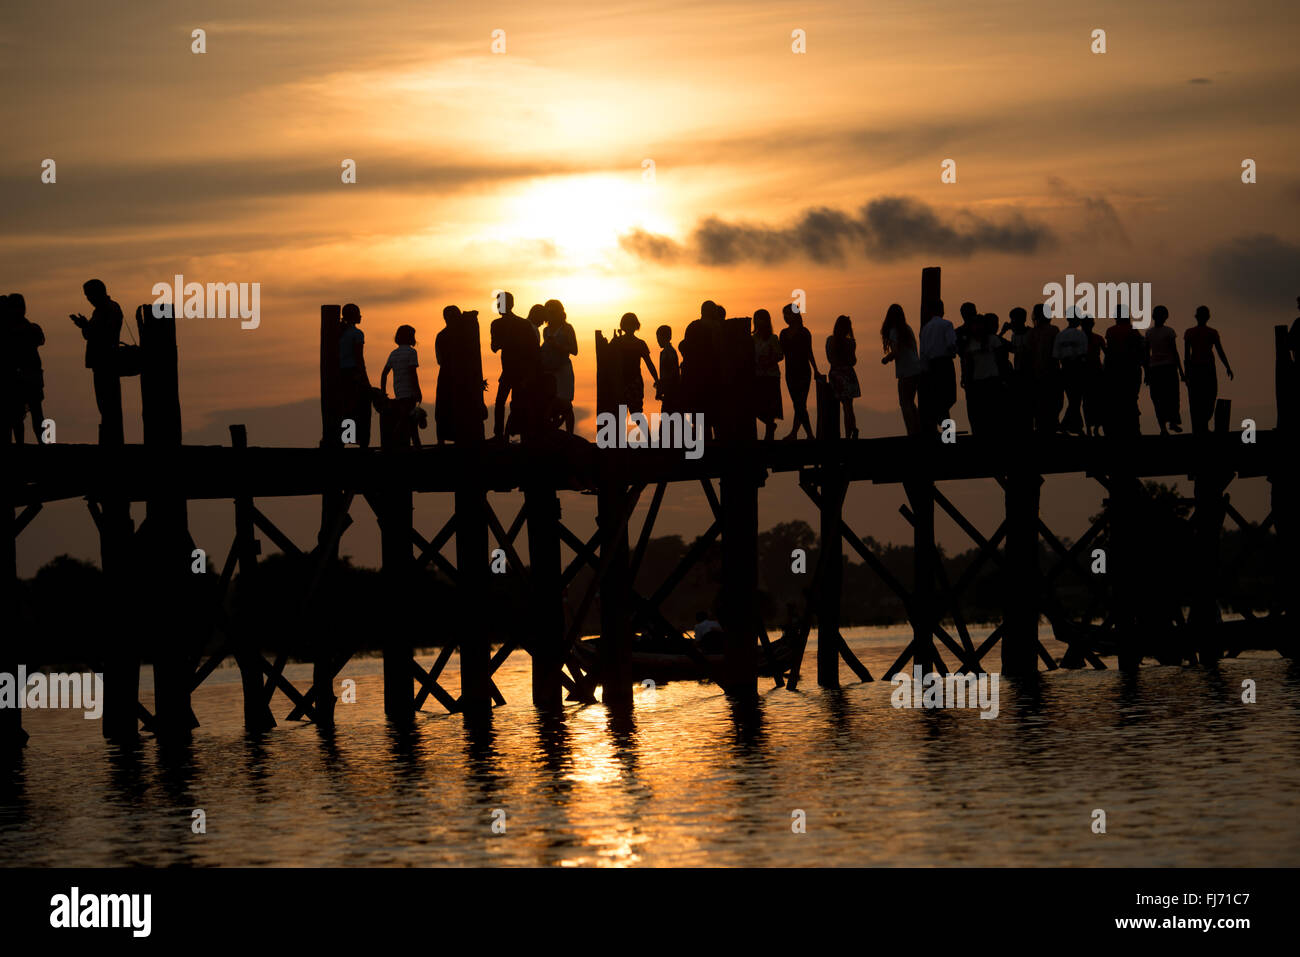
(1025, 375)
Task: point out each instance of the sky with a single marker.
(527, 170)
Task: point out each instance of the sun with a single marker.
(580, 217)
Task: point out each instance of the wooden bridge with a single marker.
(146, 567)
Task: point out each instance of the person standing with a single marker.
(899, 344)
(767, 373)
(512, 336)
(26, 386)
(1046, 372)
(987, 367)
(1071, 350)
(404, 364)
(632, 351)
(102, 332)
(1094, 396)
(354, 382)
(800, 367)
(1125, 359)
(1200, 343)
(938, 347)
(670, 378)
(559, 343)
(1165, 372)
(842, 356)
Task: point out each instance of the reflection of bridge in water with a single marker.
(147, 567)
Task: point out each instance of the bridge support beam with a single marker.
(395, 527)
(167, 546)
(12, 735)
(1021, 585)
(471, 576)
(740, 577)
(546, 639)
(615, 645)
(921, 610)
(257, 713)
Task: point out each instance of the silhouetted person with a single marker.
(1071, 350)
(1046, 373)
(1200, 343)
(961, 336)
(102, 332)
(899, 343)
(632, 352)
(559, 343)
(459, 409)
(842, 356)
(987, 368)
(668, 391)
(1125, 360)
(533, 399)
(515, 338)
(354, 382)
(708, 634)
(1094, 395)
(701, 353)
(767, 373)
(25, 379)
(1020, 401)
(938, 343)
(800, 367)
(404, 364)
(1164, 372)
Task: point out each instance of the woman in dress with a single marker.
(767, 373)
(899, 342)
(559, 343)
(842, 354)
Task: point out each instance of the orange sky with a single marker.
(524, 170)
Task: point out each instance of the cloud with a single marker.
(1200, 80)
(1100, 220)
(886, 229)
(1261, 269)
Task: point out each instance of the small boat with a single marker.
(680, 659)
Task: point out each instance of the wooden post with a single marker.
(920, 496)
(167, 545)
(257, 713)
(1124, 567)
(1284, 487)
(1209, 486)
(398, 565)
(331, 416)
(831, 569)
(12, 735)
(739, 501)
(471, 575)
(615, 645)
(614, 651)
(1020, 586)
(930, 293)
(543, 510)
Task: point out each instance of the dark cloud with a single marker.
(89, 196)
(1100, 220)
(1261, 269)
(886, 229)
(1200, 80)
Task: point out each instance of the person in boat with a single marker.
(708, 633)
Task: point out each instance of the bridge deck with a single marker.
(137, 472)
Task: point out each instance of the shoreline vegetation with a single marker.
(62, 604)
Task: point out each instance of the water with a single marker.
(1186, 773)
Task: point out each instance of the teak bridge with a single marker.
(146, 567)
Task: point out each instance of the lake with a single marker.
(1186, 774)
